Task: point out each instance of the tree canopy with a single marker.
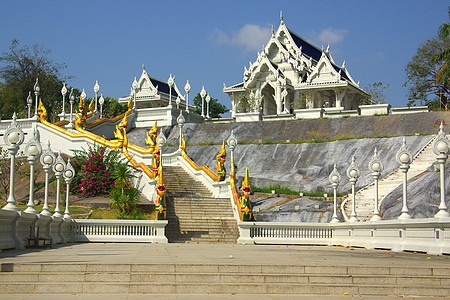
(21, 65)
(215, 108)
(427, 74)
(377, 93)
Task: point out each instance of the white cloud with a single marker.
(251, 36)
(330, 36)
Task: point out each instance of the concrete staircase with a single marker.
(193, 214)
(42, 279)
(365, 197)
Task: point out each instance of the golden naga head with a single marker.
(90, 111)
(42, 111)
(246, 188)
(160, 183)
(222, 154)
(124, 123)
(81, 107)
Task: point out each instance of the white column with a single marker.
(339, 96)
(405, 211)
(278, 99)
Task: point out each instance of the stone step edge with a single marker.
(220, 288)
(244, 274)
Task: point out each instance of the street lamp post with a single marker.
(187, 88)
(208, 98)
(203, 94)
(180, 121)
(29, 103)
(69, 173)
(353, 174)
(47, 160)
(440, 148)
(178, 101)
(37, 89)
(335, 178)
(13, 138)
(170, 83)
(32, 150)
(101, 101)
(96, 89)
(63, 92)
(376, 167)
(404, 159)
(71, 100)
(58, 169)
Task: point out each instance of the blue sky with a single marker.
(210, 42)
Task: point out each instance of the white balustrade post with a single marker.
(13, 138)
(63, 92)
(134, 86)
(101, 101)
(47, 160)
(376, 167)
(161, 140)
(440, 148)
(69, 173)
(37, 89)
(203, 94)
(96, 89)
(170, 83)
(353, 174)
(335, 178)
(58, 169)
(208, 98)
(187, 88)
(32, 150)
(29, 103)
(180, 121)
(232, 143)
(404, 159)
(71, 99)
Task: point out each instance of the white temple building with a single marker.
(292, 76)
(156, 100)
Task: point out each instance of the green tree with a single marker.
(215, 108)
(21, 66)
(112, 107)
(423, 82)
(377, 93)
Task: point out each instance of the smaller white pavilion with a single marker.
(292, 76)
(155, 99)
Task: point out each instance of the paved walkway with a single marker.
(127, 253)
(140, 253)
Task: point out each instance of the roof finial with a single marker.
(273, 32)
(343, 64)
(281, 15)
(328, 48)
(143, 67)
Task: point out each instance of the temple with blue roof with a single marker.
(292, 74)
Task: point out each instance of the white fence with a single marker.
(145, 231)
(423, 235)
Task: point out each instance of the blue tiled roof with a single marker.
(307, 48)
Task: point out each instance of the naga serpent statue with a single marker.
(245, 204)
(220, 165)
(156, 162)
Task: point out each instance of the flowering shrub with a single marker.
(94, 169)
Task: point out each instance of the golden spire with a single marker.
(183, 143)
(130, 105)
(246, 181)
(222, 150)
(42, 111)
(160, 181)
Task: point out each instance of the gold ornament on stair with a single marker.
(220, 165)
(245, 204)
(160, 203)
(151, 138)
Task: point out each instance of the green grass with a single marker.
(287, 191)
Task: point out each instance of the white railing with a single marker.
(22, 123)
(144, 231)
(430, 235)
